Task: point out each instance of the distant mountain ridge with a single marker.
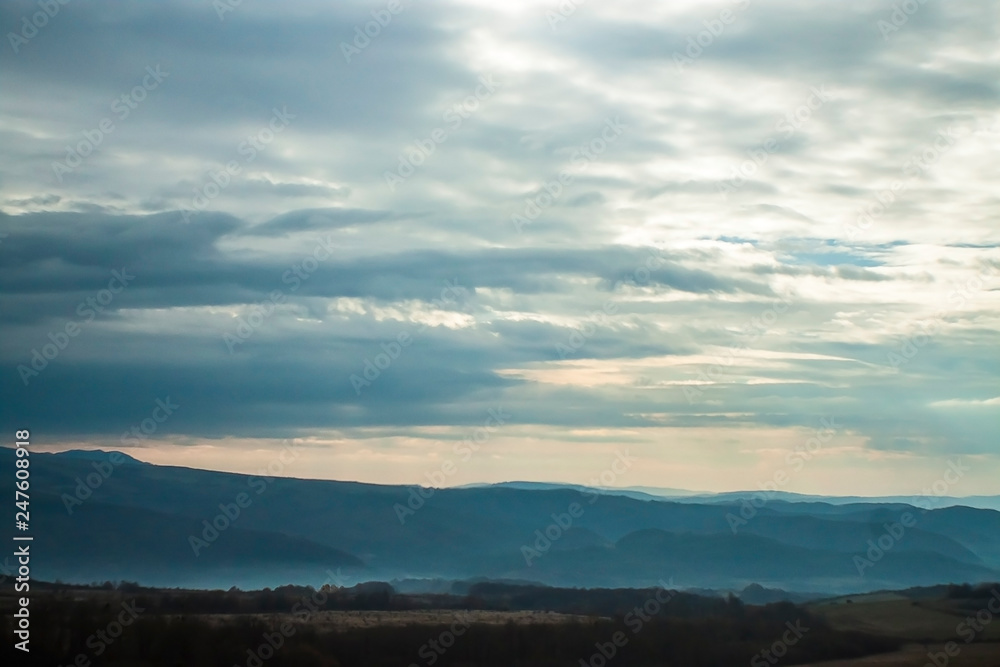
(97, 455)
(686, 496)
(174, 526)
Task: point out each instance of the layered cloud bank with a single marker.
(704, 232)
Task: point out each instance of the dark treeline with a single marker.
(381, 596)
(61, 633)
(714, 632)
(365, 597)
(597, 601)
(977, 592)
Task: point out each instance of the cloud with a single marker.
(787, 299)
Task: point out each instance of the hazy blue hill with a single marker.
(136, 522)
(96, 455)
(579, 538)
(832, 502)
(100, 542)
(734, 561)
(633, 492)
(977, 529)
(841, 536)
(833, 510)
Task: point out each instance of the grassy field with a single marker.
(929, 624)
(365, 627)
(915, 655)
(893, 615)
(350, 620)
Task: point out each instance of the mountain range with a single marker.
(100, 516)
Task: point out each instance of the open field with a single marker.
(915, 655)
(498, 624)
(928, 623)
(350, 620)
(938, 620)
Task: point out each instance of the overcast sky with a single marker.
(613, 226)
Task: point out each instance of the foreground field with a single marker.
(496, 625)
(928, 623)
(919, 620)
(350, 620)
(915, 655)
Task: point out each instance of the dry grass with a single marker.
(347, 620)
(971, 655)
(930, 620)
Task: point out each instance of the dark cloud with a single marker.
(633, 280)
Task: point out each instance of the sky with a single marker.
(442, 243)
